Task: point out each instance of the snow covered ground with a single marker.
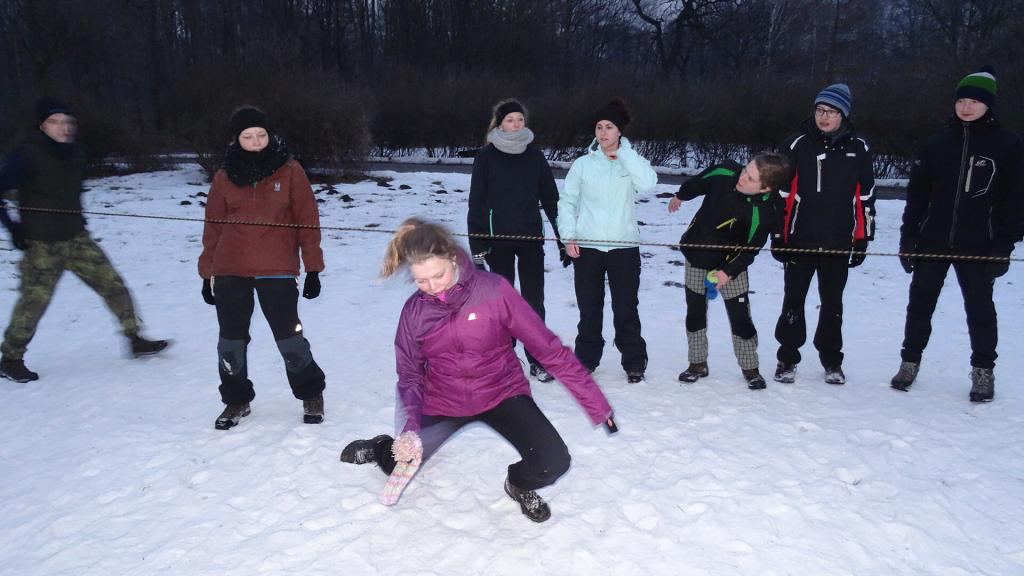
(112, 466)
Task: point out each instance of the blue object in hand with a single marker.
(711, 285)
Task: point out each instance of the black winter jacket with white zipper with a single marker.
(966, 191)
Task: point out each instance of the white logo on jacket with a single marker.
(277, 186)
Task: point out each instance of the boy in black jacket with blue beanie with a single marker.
(737, 214)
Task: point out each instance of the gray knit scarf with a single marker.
(510, 142)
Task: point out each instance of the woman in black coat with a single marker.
(511, 181)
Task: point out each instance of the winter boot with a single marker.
(785, 373)
(143, 347)
(231, 415)
(983, 384)
(538, 372)
(694, 372)
(15, 370)
(905, 376)
(754, 379)
(633, 377)
(834, 375)
(364, 451)
(532, 505)
(313, 410)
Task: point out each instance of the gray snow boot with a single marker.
(231, 415)
(905, 376)
(785, 373)
(695, 371)
(983, 384)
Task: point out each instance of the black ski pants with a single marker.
(279, 299)
(502, 260)
(519, 420)
(976, 288)
(791, 329)
(621, 267)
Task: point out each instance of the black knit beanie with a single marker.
(507, 107)
(615, 112)
(980, 86)
(48, 106)
(247, 117)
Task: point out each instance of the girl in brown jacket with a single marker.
(260, 182)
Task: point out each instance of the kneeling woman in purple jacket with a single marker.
(456, 365)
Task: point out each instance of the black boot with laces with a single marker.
(365, 451)
(231, 415)
(16, 370)
(533, 506)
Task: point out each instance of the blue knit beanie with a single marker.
(837, 96)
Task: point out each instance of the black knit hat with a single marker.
(615, 112)
(507, 107)
(48, 106)
(247, 117)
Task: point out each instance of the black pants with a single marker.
(502, 260)
(737, 309)
(622, 268)
(976, 288)
(279, 299)
(518, 419)
(791, 329)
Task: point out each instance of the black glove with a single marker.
(906, 260)
(311, 289)
(782, 257)
(994, 270)
(208, 292)
(858, 255)
(609, 425)
(563, 256)
(17, 236)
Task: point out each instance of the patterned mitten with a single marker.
(408, 453)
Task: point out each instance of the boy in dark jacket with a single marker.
(47, 170)
(738, 211)
(965, 197)
(829, 205)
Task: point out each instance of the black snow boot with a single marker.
(633, 377)
(834, 375)
(16, 370)
(532, 505)
(905, 376)
(983, 384)
(143, 347)
(754, 379)
(785, 373)
(538, 372)
(231, 415)
(365, 451)
(313, 410)
(694, 372)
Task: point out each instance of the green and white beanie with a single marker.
(980, 86)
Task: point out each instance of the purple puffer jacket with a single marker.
(455, 357)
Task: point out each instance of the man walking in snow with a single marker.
(47, 170)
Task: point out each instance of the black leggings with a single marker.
(279, 301)
(518, 419)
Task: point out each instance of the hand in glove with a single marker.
(208, 292)
(17, 236)
(610, 426)
(860, 247)
(407, 447)
(994, 270)
(907, 259)
(563, 256)
(311, 289)
(783, 257)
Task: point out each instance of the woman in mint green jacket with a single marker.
(597, 222)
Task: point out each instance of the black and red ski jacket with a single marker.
(830, 203)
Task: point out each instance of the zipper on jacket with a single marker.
(959, 181)
(970, 172)
(821, 159)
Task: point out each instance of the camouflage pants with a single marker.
(42, 266)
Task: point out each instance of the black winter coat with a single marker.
(966, 191)
(727, 217)
(830, 201)
(506, 193)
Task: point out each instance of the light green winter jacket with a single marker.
(597, 202)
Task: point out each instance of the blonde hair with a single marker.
(417, 240)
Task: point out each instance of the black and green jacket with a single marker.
(727, 217)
